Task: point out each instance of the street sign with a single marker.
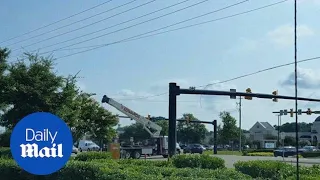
(285, 112)
(233, 97)
(281, 112)
(316, 112)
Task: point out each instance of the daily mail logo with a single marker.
(32, 150)
(41, 143)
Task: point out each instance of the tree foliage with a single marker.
(229, 130)
(291, 127)
(191, 132)
(31, 85)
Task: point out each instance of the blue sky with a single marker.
(194, 56)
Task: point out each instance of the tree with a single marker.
(304, 143)
(32, 87)
(289, 141)
(136, 131)
(291, 127)
(4, 54)
(229, 131)
(165, 127)
(191, 132)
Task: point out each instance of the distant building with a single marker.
(313, 136)
(264, 133)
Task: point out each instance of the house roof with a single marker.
(266, 125)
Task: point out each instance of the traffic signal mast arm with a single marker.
(228, 93)
(133, 115)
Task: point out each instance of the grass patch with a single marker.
(237, 153)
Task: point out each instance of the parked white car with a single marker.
(87, 145)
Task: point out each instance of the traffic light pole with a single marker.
(175, 91)
(240, 133)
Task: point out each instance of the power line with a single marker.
(239, 77)
(140, 36)
(115, 25)
(128, 27)
(61, 27)
(56, 22)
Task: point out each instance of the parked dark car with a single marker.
(309, 149)
(285, 151)
(193, 148)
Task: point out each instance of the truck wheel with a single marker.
(136, 155)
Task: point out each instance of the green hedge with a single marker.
(100, 170)
(260, 154)
(88, 156)
(274, 169)
(310, 154)
(198, 161)
(5, 152)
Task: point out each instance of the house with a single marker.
(264, 133)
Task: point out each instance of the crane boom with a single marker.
(133, 115)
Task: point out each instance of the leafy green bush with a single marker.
(5, 152)
(310, 154)
(260, 154)
(198, 161)
(245, 152)
(304, 177)
(101, 170)
(265, 169)
(88, 156)
(145, 163)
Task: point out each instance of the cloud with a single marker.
(283, 35)
(219, 103)
(307, 79)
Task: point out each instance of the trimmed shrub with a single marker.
(198, 161)
(304, 177)
(88, 156)
(265, 169)
(310, 154)
(146, 163)
(5, 152)
(260, 154)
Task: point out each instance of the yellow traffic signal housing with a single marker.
(275, 93)
(248, 90)
(309, 112)
(291, 112)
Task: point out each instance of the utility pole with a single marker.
(240, 134)
(279, 130)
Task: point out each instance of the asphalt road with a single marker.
(231, 159)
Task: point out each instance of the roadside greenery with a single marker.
(99, 166)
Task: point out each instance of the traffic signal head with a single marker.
(291, 112)
(248, 90)
(309, 112)
(275, 93)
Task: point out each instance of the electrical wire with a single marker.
(77, 29)
(42, 27)
(115, 25)
(238, 77)
(141, 36)
(128, 27)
